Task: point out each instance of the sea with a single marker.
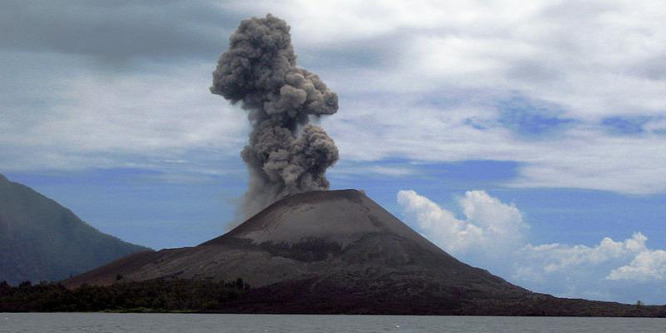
(113, 323)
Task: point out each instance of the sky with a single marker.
(524, 138)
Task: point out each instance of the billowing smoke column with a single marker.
(285, 154)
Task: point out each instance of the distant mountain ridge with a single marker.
(42, 240)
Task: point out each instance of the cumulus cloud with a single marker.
(647, 265)
(492, 235)
(561, 257)
(593, 271)
(489, 227)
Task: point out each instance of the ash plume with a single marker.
(285, 154)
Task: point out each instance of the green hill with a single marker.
(42, 240)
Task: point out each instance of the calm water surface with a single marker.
(113, 323)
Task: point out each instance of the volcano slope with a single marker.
(340, 252)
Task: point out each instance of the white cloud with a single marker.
(412, 79)
(130, 120)
(345, 169)
(490, 227)
(647, 265)
(492, 236)
(584, 271)
(590, 60)
(561, 257)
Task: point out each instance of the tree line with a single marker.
(160, 295)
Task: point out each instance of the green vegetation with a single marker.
(161, 295)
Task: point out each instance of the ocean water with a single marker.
(113, 323)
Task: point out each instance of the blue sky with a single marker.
(524, 139)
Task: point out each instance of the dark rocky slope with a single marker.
(41, 240)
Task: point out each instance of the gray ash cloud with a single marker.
(285, 153)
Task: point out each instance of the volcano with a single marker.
(340, 252)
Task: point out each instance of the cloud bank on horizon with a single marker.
(494, 235)
(571, 92)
